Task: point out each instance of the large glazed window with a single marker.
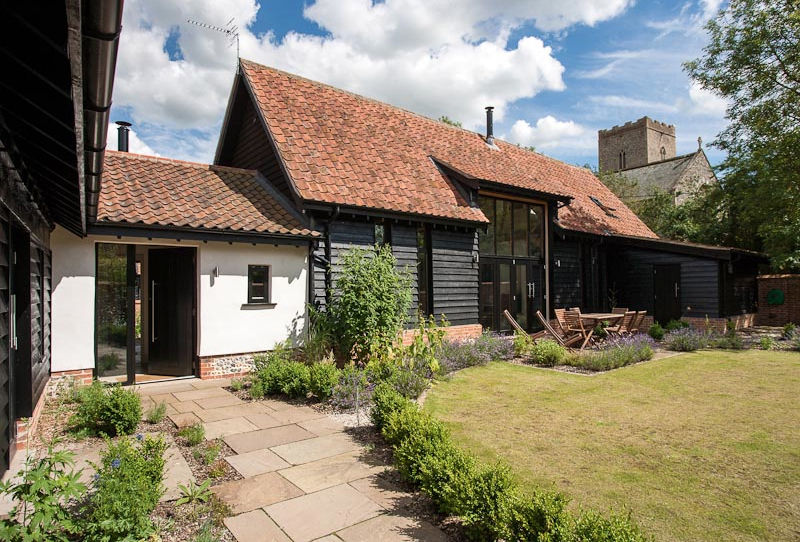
(112, 309)
(424, 287)
(515, 228)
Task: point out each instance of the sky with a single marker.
(555, 71)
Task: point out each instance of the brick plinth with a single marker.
(452, 333)
(789, 310)
(227, 366)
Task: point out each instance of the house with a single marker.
(58, 72)
(643, 152)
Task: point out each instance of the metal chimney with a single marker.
(489, 125)
(122, 135)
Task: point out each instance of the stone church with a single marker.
(644, 151)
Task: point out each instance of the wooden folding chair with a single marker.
(624, 325)
(561, 320)
(519, 329)
(637, 321)
(575, 325)
(619, 310)
(566, 341)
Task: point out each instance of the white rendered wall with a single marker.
(227, 325)
(72, 308)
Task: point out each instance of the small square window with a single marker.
(258, 282)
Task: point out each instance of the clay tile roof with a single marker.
(341, 148)
(152, 191)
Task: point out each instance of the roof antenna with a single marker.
(230, 30)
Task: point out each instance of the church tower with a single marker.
(635, 144)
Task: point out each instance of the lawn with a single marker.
(701, 446)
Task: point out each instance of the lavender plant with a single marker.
(455, 355)
(685, 340)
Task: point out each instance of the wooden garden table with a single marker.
(594, 318)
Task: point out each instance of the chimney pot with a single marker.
(122, 135)
(490, 125)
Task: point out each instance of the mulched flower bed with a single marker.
(218, 470)
(182, 523)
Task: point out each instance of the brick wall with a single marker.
(453, 333)
(778, 315)
(227, 366)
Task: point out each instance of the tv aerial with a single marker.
(230, 30)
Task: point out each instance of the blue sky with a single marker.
(556, 72)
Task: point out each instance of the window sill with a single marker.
(252, 306)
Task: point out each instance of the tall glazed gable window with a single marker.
(424, 271)
(258, 284)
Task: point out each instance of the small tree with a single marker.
(370, 303)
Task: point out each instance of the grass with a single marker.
(700, 446)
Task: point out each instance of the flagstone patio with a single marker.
(304, 477)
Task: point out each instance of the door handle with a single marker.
(533, 289)
(12, 309)
(676, 290)
(152, 311)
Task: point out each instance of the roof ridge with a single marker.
(419, 115)
(191, 163)
(673, 159)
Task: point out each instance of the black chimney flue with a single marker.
(122, 135)
(489, 125)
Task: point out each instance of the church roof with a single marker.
(662, 176)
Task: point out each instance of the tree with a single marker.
(447, 120)
(753, 61)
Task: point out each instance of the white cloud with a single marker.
(549, 132)
(706, 102)
(135, 144)
(626, 102)
(420, 54)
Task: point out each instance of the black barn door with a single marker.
(171, 274)
(667, 292)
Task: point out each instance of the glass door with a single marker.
(114, 312)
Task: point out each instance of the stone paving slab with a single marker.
(176, 471)
(383, 492)
(389, 528)
(233, 411)
(263, 420)
(220, 401)
(163, 387)
(324, 512)
(255, 526)
(167, 398)
(329, 538)
(331, 471)
(204, 393)
(256, 462)
(322, 426)
(316, 448)
(184, 419)
(259, 491)
(223, 428)
(199, 384)
(266, 438)
(297, 414)
(186, 406)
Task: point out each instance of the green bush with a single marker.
(766, 343)
(446, 475)
(685, 340)
(157, 412)
(617, 352)
(547, 353)
(674, 325)
(399, 424)
(194, 434)
(656, 332)
(278, 373)
(371, 303)
(352, 390)
(732, 341)
(789, 330)
(593, 527)
(796, 342)
(323, 378)
(320, 338)
(385, 400)
(107, 361)
(43, 493)
(488, 502)
(541, 516)
(237, 384)
(423, 436)
(127, 487)
(105, 410)
(522, 344)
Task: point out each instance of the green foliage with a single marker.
(789, 330)
(656, 332)
(752, 61)
(43, 493)
(237, 384)
(127, 487)
(323, 377)
(767, 343)
(194, 434)
(541, 516)
(685, 340)
(157, 412)
(371, 303)
(593, 527)
(733, 341)
(447, 120)
(446, 476)
(385, 400)
(278, 373)
(108, 361)
(108, 411)
(320, 338)
(352, 391)
(218, 469)
(546, 352)
(796, 341)
(256, 390)
(487, 505)
(617, 352)
(421, 354)
(522, 344)
(423, 436)
(673, 325)
(208, 453)
(194, 494)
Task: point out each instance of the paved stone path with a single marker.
(304, 479)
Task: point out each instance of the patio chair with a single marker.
(619, 310)
(561, 320)
(575, 325)
(519, 329)
(637, 321)
(566, 341)
(624, 326)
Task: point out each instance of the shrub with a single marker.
(237, 384)
(43, 493)
(352, 390)
(674, 325)
(194, 434)
(209, 453)
(615, 353)
(157, 412)
(127, 487)
(371, 304)
(276, 372)
(320, 338)
(547, 353)
(730, 341)
(256, 390)
(323, 378)
(385, 400)
(593, 527)
(540, 516)
(399, 424)
(685, 340)
(106, 411)
(456, 355)
(423, 437)
(656, 332)
(488, 502)
(421, 355)
(796, 342)
(766, 343)
(446, 475)
(789, 330)
(409, 382)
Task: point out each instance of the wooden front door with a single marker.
(667, 292)
(171, 274)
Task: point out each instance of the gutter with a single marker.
(100, 30)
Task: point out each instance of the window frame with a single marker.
(425, 262)
(267, 299)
